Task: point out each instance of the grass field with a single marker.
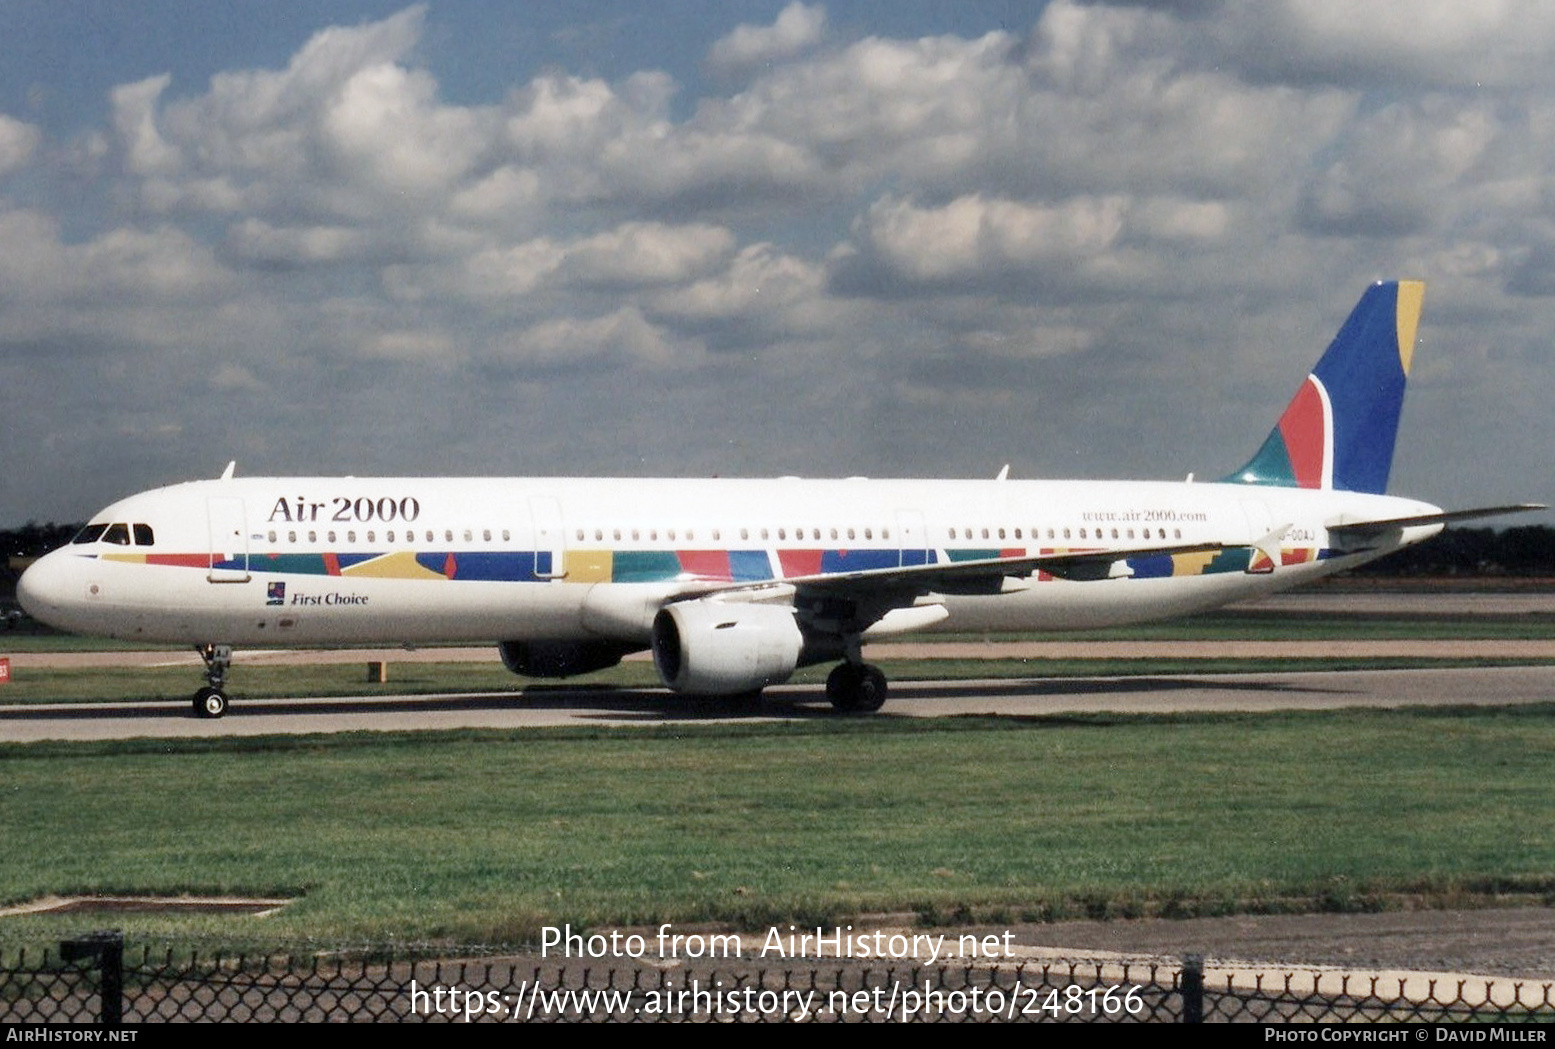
(482, 837)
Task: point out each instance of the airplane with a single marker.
(733, 584)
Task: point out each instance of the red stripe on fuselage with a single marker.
(706, 564)
(799, 562)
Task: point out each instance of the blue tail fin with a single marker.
(1340, 428)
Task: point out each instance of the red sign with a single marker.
(5, 670)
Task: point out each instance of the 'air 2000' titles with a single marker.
(361, 509)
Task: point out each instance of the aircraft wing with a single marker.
(981, 576)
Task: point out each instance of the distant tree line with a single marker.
(1528, 550)
(34, 540)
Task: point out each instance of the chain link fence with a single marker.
(92, 980)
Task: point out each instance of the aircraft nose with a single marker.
(46, 589)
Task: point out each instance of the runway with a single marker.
(538, 706)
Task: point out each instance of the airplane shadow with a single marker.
(616, 704)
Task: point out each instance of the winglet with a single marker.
(1339, 429)
(226, 475)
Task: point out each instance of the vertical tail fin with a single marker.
(1339, 429)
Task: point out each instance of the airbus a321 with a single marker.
(734, 584)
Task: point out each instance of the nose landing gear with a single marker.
(211, 701)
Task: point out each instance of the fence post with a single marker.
(108, 948)
(1192, 985)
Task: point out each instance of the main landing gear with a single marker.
(211, 701)
(856, 688)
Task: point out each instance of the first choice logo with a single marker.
(345, 509)
(331, 599)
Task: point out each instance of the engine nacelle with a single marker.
(715, 648)
(561, 658)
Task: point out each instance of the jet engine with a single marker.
(715, 648)
(561, 658)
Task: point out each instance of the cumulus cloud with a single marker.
(1430, 43)
(621, 337)
(18, 141)
(1175, 192)
(798, 28)
(974, 243)
(257, 241)
(639, 253)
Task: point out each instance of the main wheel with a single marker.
(210, 702)
(856, 688)
(841, 686)
(871, 689)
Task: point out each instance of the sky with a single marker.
(1098, 239)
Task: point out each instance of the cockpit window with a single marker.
(90, 534)
(118, 534)
(143, 535)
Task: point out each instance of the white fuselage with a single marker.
(277, 561)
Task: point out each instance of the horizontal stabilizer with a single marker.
(1362, 529)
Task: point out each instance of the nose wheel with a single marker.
(856, 688)
(211, 701)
